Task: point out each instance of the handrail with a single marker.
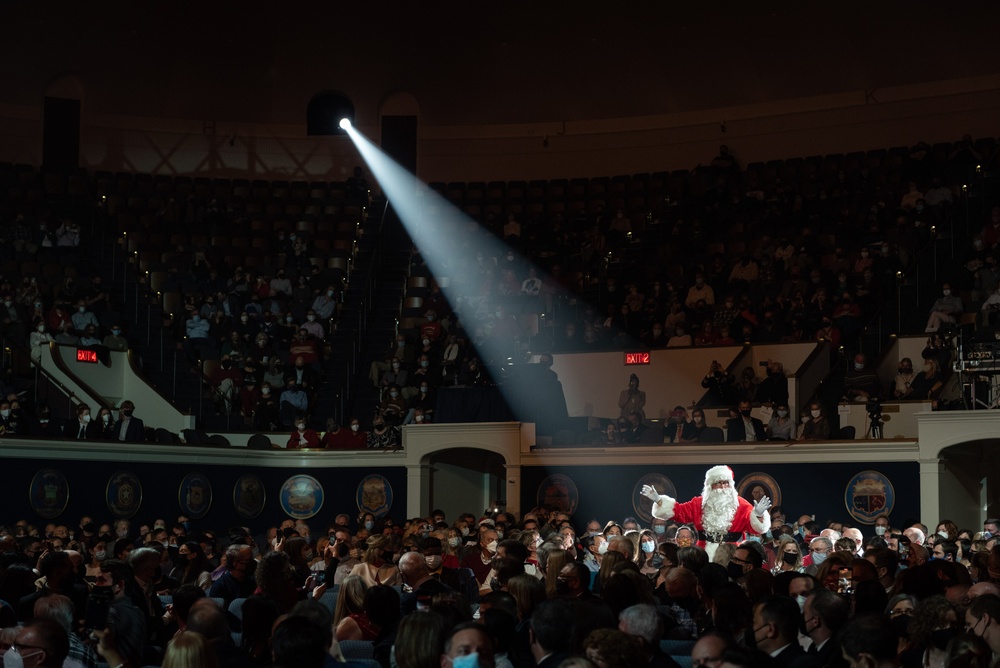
(23, 352)
(61, 365)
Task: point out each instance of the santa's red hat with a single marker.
(718, 474)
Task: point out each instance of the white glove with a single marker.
(650, 493)
(761, 506)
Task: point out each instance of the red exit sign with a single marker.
(88, 356)
(632, 359)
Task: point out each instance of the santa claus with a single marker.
(719, 514)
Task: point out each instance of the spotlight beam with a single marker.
(452, 243)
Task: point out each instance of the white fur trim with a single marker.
(760, 524)
(718, 473)
(664, 508)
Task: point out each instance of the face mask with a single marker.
(818, 558)
(423, 389)
(789, 558)
(41, 329)
(454, 541)
(300, 427)
(121, 533)
(369, 526)
(86, 418)
(434, 561)
(491, 547)
(80, 309)
(648, 547)
(310, 318)
(465, 531)
(858, 367)
(879, 531)
(395, 366)
(243, 318)
(814, 413)
(735, 571)
(901, 625)
(946, 292)
(745, 413)
(801, 600)
(426, 342)
(418, 418)
(659, 529)
(466, 661)
(603, 549)
(265, 391)
(782, 413)
(355, 427)
(14, 660)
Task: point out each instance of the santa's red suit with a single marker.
(738, 518)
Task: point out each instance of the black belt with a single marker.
(731, 537)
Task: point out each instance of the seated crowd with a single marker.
(547, 590)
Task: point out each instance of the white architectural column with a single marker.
(930, 490)
(513, 484)
(418, 489)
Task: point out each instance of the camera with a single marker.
(874, 407)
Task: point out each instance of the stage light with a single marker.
(345, 123)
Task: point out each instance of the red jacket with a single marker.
(310, 436)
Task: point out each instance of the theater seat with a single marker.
(712, 435)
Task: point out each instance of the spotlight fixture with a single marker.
(345, 123)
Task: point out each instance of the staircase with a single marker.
(367, 322)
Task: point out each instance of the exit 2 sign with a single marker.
(632, 359)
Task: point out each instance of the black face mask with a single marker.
(941, 637)
(735, 571)
(562, 588)
(789, 558)
(901, 625)
(745, 413)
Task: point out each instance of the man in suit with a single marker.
(823, 615)
(82, 428)
(776, 629)
(128, 429)
(744, 427)
(551, 628)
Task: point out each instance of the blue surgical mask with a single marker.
(659, 529)
(755, 539)
(818, 558)
(369, 526)
(466, 661)
(648, 546)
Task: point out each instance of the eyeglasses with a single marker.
(737, 560)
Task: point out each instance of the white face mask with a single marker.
(355, 427)
(12, 659)
(814, 413)
(86, 418)
(943, 534)
(879, 531)
(434, 561)
(603, 549)
(491, 547)
(454, 541)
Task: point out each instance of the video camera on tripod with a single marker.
(874, 408)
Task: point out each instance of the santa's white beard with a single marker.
(718, 509)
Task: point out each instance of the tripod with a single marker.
(875, 426)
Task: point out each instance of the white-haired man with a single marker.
(720, 515)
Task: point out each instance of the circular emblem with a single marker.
(868, 495)
(755, 485)
(374, 495)
(558, 492)
(124, 494)
(49, 493)
(249, 496)
(301, 497)
(644, 507)
(195, 495)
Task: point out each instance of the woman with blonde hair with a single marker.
(788, 557)
(189, 649)
(376, 567)
(528, 591)
(350, 621)
(556, 560)
(530, 540)
(723, 554)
